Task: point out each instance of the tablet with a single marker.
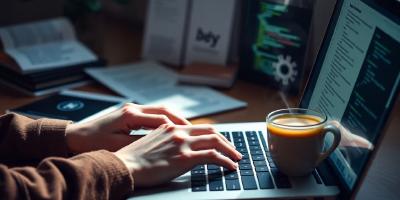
(77, 106)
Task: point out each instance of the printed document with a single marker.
(153, 84)
(44, 44)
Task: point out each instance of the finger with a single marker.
(178, 120)
(199, 129)
(203, 142)
(203, 129)
(151, 120)
(212, 157)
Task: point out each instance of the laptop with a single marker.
(355, 81)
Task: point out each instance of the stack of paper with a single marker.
(153, 84)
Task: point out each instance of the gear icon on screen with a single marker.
(285, 70)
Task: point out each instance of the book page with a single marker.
(44, 44)
(152, 84)
(130, 80)
(191, 101)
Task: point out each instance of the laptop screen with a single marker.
(355, 80)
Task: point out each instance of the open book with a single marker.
(43, 57)
(44, 45)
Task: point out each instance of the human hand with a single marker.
(172, 150)
(111, 132)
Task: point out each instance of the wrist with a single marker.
(74, 134)
(128, 160)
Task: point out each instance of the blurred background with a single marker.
(107, 25)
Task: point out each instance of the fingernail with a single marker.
(235, 166)
(240, 156)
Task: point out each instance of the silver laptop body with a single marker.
(355, 80)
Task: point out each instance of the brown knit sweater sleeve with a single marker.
(23, 139)
(93, 175)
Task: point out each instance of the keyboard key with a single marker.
(237, 134)
(260, 163)
(199, 167)
(231, 175)
(198, 183)
(281, 180)
(214, 171)
(272, 165)
(249, 183)
(226, 170)
(213, 167)
(252, 138)
(246, 172)
(214, 174)
(240, 145)
(216, 185)
(200, 171)
(232, 184)
(245, 166)
(198, 178)
(253, 143)
(199, 188)
(214, 177)
(225, 134)
(258, 157)
(261, 168)
(256, 152)
(244, 161)
(264, 180)
(242, 150)
(245, 156)
(252, 148)
(238, 140)
(251, 134)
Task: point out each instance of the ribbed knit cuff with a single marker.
(119, 178)
(51, 132)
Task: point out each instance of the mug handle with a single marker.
(336, 140)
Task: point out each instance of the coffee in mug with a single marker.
(296, 139)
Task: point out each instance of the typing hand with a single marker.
(111, 132)
(172, 150)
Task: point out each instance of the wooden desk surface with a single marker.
(119, 42)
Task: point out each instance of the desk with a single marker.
(120, 43)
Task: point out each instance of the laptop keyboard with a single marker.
(256, 169)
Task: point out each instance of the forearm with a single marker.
(94, 175)
(22, 138)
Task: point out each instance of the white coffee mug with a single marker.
(296, 139)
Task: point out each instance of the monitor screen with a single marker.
(355, 80)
